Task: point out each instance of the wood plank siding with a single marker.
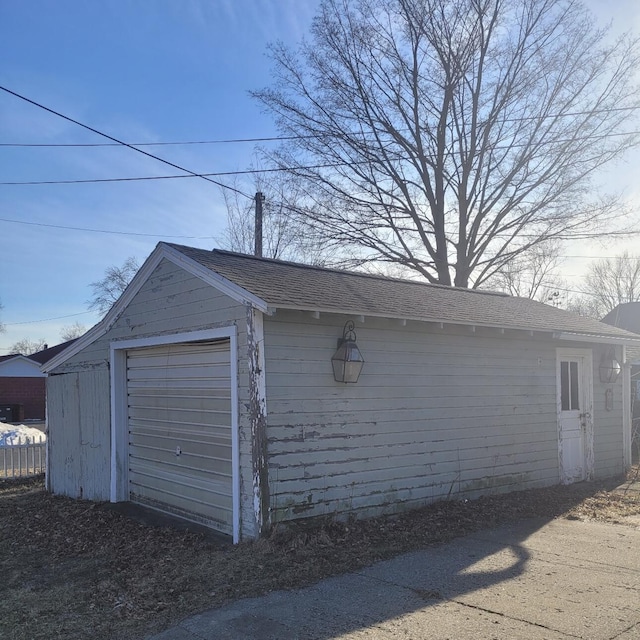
(608, 445)
(436, 413)
(170, 301)
(79, 444)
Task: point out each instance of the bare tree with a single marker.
(2, 327)
(452, 136)
(285, 235)
(531, 275)
(72, 331)
(608, 283)
(584, 305)
(27, 346)
(115, 281)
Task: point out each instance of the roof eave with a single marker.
(209, 276)
(559, 335)
(18, 356)
(600, 339)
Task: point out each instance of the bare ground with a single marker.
(77, 569)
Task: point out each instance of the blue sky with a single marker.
(142, 72)
(168, 70)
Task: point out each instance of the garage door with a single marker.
(179, 420)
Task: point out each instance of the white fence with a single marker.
(26, 457)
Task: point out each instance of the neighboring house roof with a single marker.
(35, 359)
(16, 356)
(273, 284)
(17, 365)
(626, 316)
(42, 357)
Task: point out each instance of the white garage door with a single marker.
(179, 417)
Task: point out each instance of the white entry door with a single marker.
(575, 423)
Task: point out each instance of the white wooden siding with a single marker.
(434, 414)
(170, 301)
(608, 434)
(180, 438)
(78, 442)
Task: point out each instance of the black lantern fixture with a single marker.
(609, 369)
(347, 361)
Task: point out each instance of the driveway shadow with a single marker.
(381, 593)
(539, 577)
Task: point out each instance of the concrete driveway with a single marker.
(534, 579)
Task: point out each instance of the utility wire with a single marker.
(206, 176)
(174, 177)
(278, 138)
(120, 233)
(150, 144)
(70, 315)
(158, 235)
(120, 142)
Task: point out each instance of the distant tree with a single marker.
(27, 346)
(608, 283)
(532, 274)
(2, 327)
(585, 305)
(115, 281)
(72, 331)
(284, 235)
(452, 136)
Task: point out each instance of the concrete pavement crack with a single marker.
(503, 615)
(434, 594)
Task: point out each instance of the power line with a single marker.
(173, 177)
(630, 258)
(70, 315)
(119, 233)
(149, 144)
(175, 237)
(120, 142)
(274, 138)
(206, 176)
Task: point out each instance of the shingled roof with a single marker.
(274, 284)
(626, 316)
(288, 285)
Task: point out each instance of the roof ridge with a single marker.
(302, 265)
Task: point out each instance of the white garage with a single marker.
(210, 390)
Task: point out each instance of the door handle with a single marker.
(584, 418)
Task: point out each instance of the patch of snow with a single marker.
(11, 434)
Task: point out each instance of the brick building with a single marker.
(23, 386)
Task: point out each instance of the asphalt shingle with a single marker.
(296, 286)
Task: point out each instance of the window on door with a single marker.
(569, 395)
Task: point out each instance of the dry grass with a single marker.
(80, 569)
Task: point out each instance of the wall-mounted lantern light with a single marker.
(609, 369)
(347, 361)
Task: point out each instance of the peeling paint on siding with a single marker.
(258, 419)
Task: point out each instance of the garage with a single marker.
(179, 419)
(209, 391)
